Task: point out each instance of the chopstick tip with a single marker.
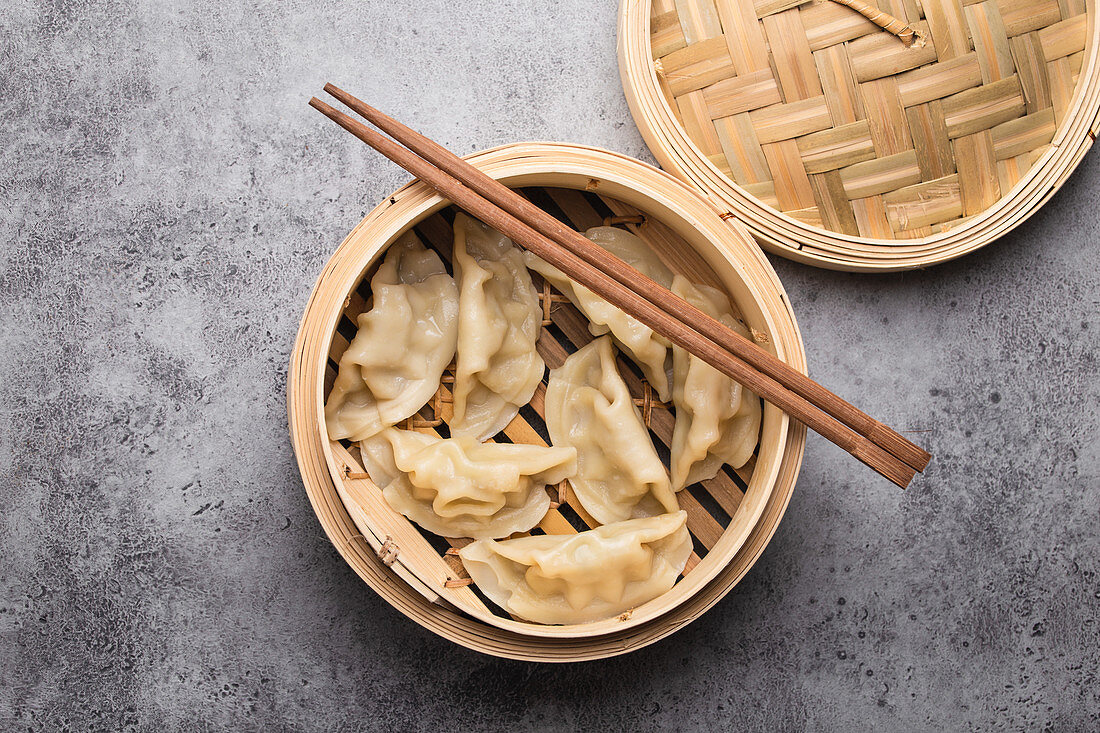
(886, 464)
(892, 442)
(321, 106)
(343, 96)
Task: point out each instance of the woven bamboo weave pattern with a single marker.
(819, 113)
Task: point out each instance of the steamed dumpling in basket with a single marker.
(497, 368)
(619, 474)
(717, 420)
(645, 347)
(457, 487)
(404, 342)
(593, 575)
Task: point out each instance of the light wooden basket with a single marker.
(841, 146)
(731, 517)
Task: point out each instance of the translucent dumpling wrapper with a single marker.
(619, 474)
(645, 347)
(458, 487)
(404, 342)
(593, 575)
(497, 367)
(717, 420)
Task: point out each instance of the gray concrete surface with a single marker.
(166, 202)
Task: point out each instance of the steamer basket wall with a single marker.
(731, 519)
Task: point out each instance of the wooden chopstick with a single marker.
(628, 300)
(578, 244)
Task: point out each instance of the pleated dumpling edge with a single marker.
(717, 420)
(458, 487)
(619, 474)
(395, 362)
(497, 367)
(644, 346)
(585, 577)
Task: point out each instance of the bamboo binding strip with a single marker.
(731, 518)
(842, 145)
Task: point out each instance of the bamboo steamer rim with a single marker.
(583, 170)
(788, 237)
(528, 162)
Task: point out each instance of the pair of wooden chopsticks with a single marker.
(870, 441)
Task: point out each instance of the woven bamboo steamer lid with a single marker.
(841, 146)
(675, 216)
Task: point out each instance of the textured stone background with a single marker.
(167, 202)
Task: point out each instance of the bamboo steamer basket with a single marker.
(839, 145)
(731, 517)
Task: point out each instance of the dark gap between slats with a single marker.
(442, 550)
(365, 293)
(438, 544)
(556, 333)
(534, 419)
(597, 203)
(493, 608)
(626, 364)
(663, 451)
(352, 323)
(541, 199)
(363, 286)
(700, 549)
(439, 227)
(346, 328)
(737, 480)
(573, 518)
(707, 502)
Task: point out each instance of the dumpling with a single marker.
(619, 475)
(717, 420)
(645, 347)
(593, 575)
(394, 364)
(499, 319)
(458, 487)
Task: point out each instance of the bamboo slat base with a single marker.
(840, 144)
(731, 517)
